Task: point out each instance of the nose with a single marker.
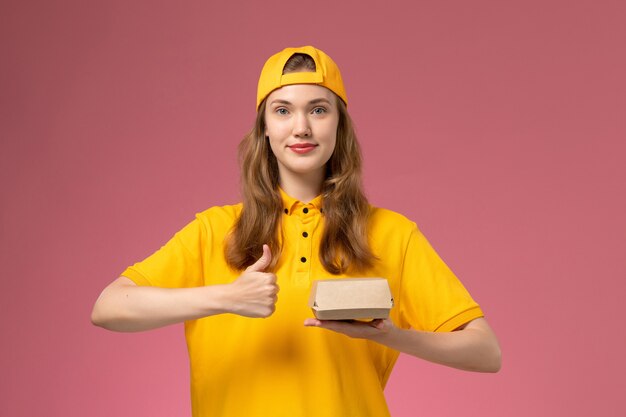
(301, 127)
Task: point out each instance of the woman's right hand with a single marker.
(254, 293)
(126, 307)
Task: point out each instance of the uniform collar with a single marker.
(290, 204)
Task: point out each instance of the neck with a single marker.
(303, 188)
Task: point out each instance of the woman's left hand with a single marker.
(358, 329)
(472, 346)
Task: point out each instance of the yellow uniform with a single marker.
(249, 367)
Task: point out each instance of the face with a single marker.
(301, 123)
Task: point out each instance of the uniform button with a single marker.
(305, 234)
(286, 211)
(303, 259)
(306, 210)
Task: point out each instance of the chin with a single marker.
(302, 169)
(306, 171)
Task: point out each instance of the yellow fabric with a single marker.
(275, 366)
(326, 73)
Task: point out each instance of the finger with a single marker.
(378, 323)
(334, 325)
(312, 322)
(271, 278)
(328, 324)
(337, 325)
(263, 262)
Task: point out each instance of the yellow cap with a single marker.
(326, 73)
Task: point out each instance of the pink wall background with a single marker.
(497, 126)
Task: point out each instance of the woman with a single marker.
(303, 217)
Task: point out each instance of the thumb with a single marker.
(263, 262)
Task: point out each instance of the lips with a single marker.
(302, 148)
(302, 145)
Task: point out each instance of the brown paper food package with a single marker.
(351, 298)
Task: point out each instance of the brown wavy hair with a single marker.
(344, 244)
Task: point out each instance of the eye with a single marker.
(281, 110)
(319, 110)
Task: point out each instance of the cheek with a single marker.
(332, 137)
(276, 143)
(276, 131)
(332, 149)
(273, 145)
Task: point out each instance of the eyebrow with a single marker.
(314, 101)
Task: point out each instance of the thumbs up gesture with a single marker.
(254, 293)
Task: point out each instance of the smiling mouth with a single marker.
(302, 145)
(302, 148)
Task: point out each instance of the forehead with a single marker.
(300, 94)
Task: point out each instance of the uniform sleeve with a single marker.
(176, 264)
(432, 298)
